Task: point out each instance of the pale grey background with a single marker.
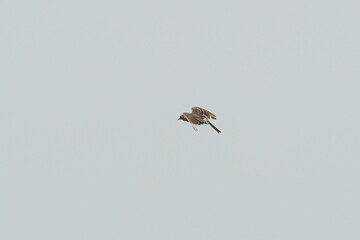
(90, 143)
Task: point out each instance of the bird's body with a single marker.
(199, 116)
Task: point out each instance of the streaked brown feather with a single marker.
(201, 111)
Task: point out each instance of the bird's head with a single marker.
(182, 118)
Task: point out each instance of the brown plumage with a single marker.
(203, 112)
(199, 116)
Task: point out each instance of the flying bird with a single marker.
(199, 116)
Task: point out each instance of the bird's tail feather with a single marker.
(214, 127)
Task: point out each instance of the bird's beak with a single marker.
(178, 118)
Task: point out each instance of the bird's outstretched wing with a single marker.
(203, 112)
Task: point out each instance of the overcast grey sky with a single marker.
(90, 145)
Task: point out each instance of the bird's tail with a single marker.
(215, 128)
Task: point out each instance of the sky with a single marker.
(90, 145)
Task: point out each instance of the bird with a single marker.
(199, 116)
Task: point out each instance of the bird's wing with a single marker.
(203, 112)
(194, 127)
